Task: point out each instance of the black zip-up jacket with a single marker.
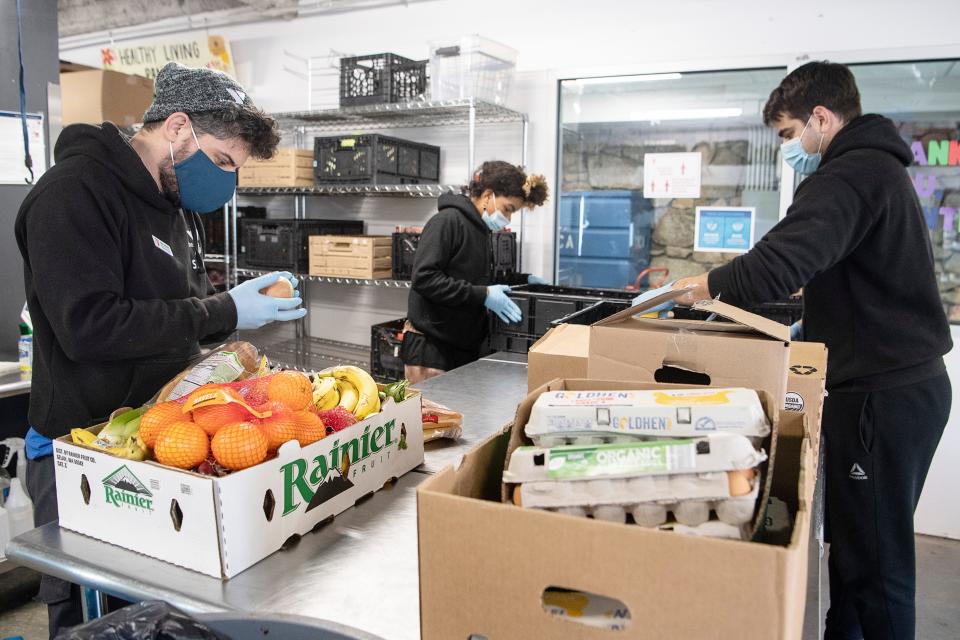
(856, 240)
(452, 268)
(115, 283)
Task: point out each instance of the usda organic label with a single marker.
(622, 459)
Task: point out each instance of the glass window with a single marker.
(608, 231)
(923, 99)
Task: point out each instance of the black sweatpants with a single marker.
(878, 448)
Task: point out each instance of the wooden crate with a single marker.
(287, 168)
(351, 256)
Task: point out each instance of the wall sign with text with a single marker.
(725, 229)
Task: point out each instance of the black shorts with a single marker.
(420, 351)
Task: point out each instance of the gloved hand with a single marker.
(255, 309)
(796, 330)
(532, 279)
(498, 302)
(660, 309)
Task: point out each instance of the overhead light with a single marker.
(650, 77)
(687, 114)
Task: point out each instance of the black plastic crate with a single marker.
(505, 254)
(283, 243)
(593, 313)
(404, 249)
(213, 227)
(381, 78)
(375, 159)
(385, 341)
(542, 305)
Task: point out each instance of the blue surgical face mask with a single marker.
(203, 185)
(797, 157)
(496, 220)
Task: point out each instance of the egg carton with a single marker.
(690, 498)
(665, 456)
(599, 417)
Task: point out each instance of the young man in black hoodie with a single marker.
(856, 241)
(113, 266)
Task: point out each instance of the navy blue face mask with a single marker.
(204, 186)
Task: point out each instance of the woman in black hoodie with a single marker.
(453, 271)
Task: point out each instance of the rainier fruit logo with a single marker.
(329, 475)
(122, 488)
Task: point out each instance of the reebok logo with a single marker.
(857, 472)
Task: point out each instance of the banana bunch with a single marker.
(349, 387)
(119, 438)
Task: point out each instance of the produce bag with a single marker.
(151, 620)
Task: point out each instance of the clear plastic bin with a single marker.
(471, 67)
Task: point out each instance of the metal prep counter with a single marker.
(360, 570)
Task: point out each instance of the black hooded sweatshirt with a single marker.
(856, 240)
(115, 283)
(452, 268)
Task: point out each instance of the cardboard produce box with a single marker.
(807, 382)
(221, 526)
(94, 96)
(351, 256)
(672, 585)
(562, 352)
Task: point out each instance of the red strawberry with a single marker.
(337, 419)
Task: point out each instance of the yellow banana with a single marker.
(369, 400)
(330, 400)
(348, 394)
(322, 387)
(82, 436)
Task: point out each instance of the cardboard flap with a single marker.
(641, 308)
(763, 325)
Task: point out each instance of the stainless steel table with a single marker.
(360, 570)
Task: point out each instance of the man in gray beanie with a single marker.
(113, 250)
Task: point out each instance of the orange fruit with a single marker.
(183, 445)
(157, 418)
(280, 427)
(239, 445)
(212, 417)
(291, 388)
(310, 427)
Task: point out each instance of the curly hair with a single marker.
(505, 179)
(257, 129)
(816, 83)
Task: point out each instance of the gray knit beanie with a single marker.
(180, 88)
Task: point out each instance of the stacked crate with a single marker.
(366, 257)
(287, 168)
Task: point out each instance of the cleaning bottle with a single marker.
(19, 509)
(25, 348)
(4, 485)
(4, 532)
(16, 447)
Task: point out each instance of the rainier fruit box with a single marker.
(220, 526)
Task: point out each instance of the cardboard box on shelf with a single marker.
(673, 585)
(95, 95)
(351, 256)
(749, 351)
(807, 382)
(183, 517)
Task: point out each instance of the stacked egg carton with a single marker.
(617, 455)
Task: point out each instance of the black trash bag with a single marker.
(152, 620)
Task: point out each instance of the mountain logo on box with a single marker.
(857, 472)
(331, 474)
(803, 370)
(122, 488)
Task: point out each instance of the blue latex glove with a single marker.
(498, 302)
(796, 330)
(532, 279)
(662, 309)
(255, 309)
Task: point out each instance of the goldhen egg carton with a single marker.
(598, 417)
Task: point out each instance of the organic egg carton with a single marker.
(604, 417)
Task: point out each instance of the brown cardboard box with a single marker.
(351, 256)
(806, 382)
(484, 564)
(750, 351)
(97, 95)
(561, 353)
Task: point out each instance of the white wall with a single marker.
(572, 38)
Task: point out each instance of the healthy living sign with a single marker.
(146, 59)
(937, 153)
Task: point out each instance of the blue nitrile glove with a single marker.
(532, 279)
(662, 309)
(796, 330)
(255, 309)
(498, 302)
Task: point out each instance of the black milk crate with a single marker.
(541, 305)
(594, 313)
(282, 243)
(375, 159)
(504, 254)
(404, 249)
(381, 78)
(213, 227)
(385, 341)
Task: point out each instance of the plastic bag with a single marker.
(440, 421)
(227, 363)
(150, 620)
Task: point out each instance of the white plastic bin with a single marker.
(471, 67)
